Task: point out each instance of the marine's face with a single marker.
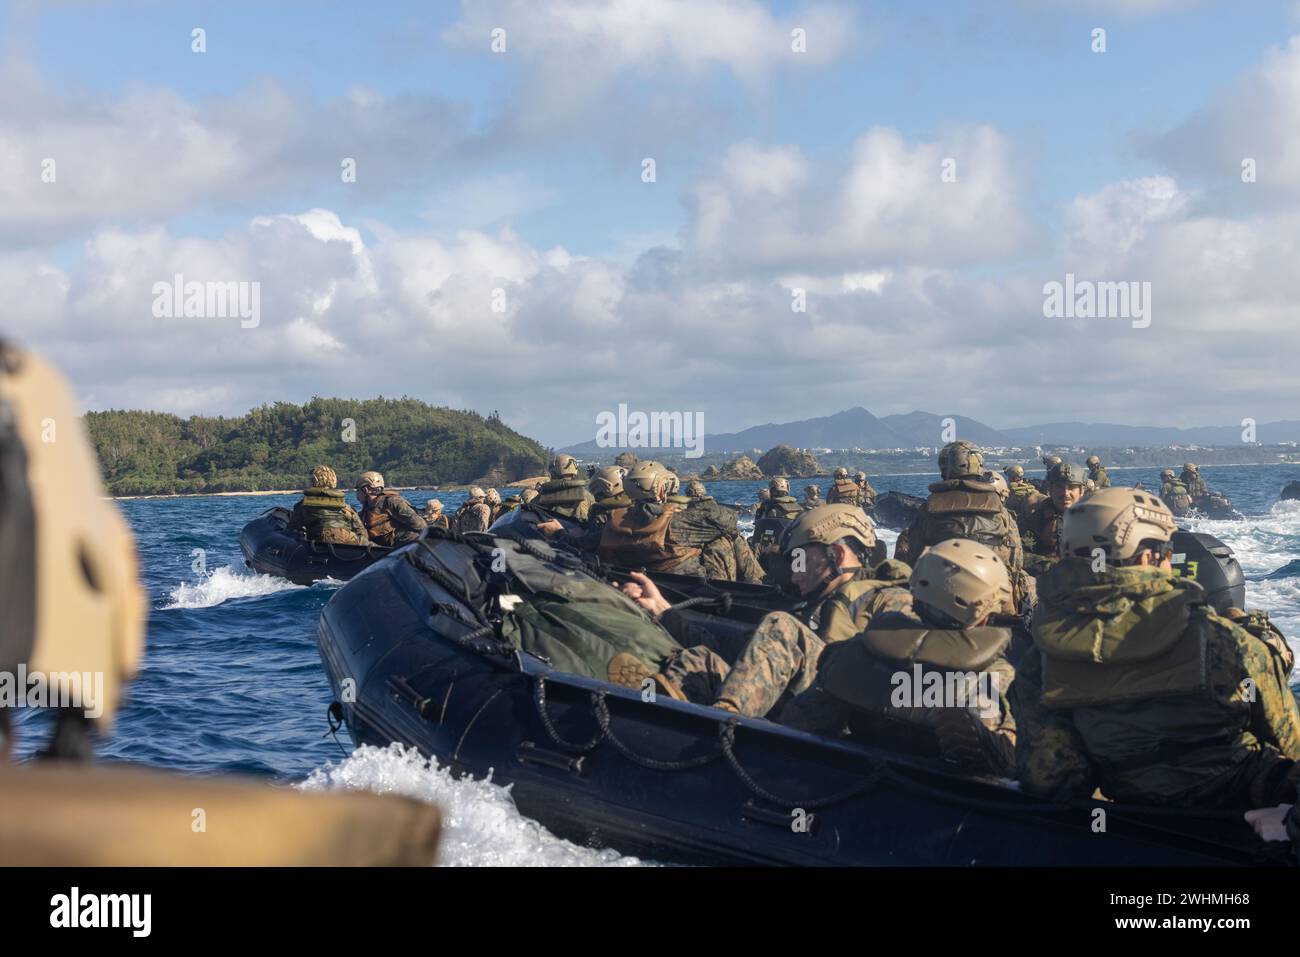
(809, 569)
(1063, 496)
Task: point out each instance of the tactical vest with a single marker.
(326, 511)
(1129, 666)
(1045, 523)
(379, 524)
(1100, 478)
(843, 491)
(627, 544)
(925, 686)
(564, 497)
(442, 521)
(598, 513)
(783, 507)
(849, 599)
(962, 508)
(1176, 494)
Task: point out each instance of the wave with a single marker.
(222, 585)
(480, 824)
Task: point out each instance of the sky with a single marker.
(752, 212)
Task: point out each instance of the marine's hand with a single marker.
(646, 594)
(551, 526)
(1269, 822)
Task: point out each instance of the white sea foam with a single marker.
(224, 584)
(480, 824)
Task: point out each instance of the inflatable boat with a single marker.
(414, 652)
(270, 548)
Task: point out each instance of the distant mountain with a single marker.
(857, 428)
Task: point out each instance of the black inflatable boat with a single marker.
(270, 548)
(413, 656)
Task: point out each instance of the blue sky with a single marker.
(522, 172)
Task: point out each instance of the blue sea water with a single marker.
(231, 680)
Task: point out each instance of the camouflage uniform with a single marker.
(780, 659)
(566, 497)
(812, 497)
(1040, 533)
(1143, 691)
(1196, 486)
(844, 491)
(968, 508)
(784, 507)
(1176, 496)
(325, 516)
(473, 516)
(659, 537)
(1099, 477)
(390, 519)
(866, 494)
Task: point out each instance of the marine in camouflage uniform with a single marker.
(866, 494)
(812, 497)
(1041, 531)
(1097, 473)
(1139, 688)
(779, 660)
(433, 515)
(1175, 493)
(390, 520)
(1191, 478)
(474, 514)
(492, 498)
(933, 678)
(1021, 495)
(779, 503)
(964, 505)
(324, 514)
(844, 491)
(565, 494)
(606, 488)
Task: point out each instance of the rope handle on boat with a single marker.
(727, 738)
(654, 764)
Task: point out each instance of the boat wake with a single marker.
(480, 824)
(222, 585)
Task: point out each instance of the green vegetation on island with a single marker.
(275, 446)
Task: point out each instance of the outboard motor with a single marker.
(1209, 562)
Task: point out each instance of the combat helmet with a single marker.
(1062, 474)
(493, 497)
(1167, 475)
(779, 486)
(960, 459)
(528, 494)
(999, 483)
(963, 579)
(322, 476)
(644, 482)
(607, 483)
(1093, 462)
(70, 591)
(1190, 467)
(475, 493)
(1050, 460)
(1014, 472)
(371, 482)
(841, 473)
(563, 466)
(827, 526)
(1116, 520)
(695, 489)
(860, 476)
(433, 505)
(625, 460)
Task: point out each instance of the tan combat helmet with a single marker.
(1167, 474)
(811, 492)
(646, 480)
(778, 486)
(1093, 462)
(998, 482)
(493, 497)
(433, 505)
(371, 481)
(563, 466)
(1015, 473)
(1116, 520)
(695, 489)
(528, 494)
(674, 483)
(1050, 460)
(765, 495)
(606, 483)
(860, 477)
(1189, 467)
(625, 461)
(841, 473)
(963, 579)
(476, 494)
(70, 594)
(828, 525)
(960, 459)
(322, 476)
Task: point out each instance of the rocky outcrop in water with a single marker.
(790, 462)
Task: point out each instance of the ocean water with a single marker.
(231, 680)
